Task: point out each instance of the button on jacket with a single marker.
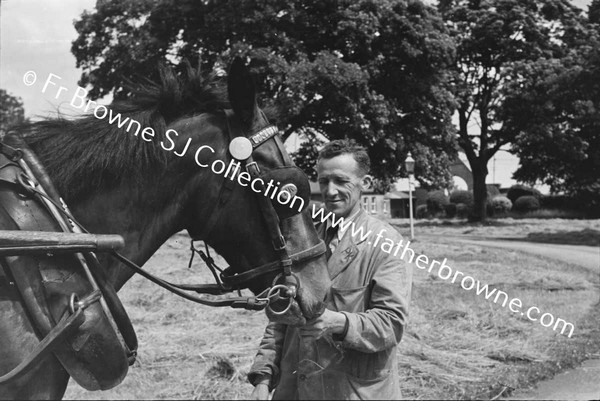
(372, 288)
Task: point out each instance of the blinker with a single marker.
(293, 193)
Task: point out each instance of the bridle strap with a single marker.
(236, 281)
(250, 303)
(230, 282)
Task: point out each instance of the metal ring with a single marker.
(290, 295)
(74, 302)
(292, 275)
(18, 154)
(283, 311)
(272, 294)
(26, 183)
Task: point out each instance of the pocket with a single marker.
(349, 299)
(381, 388)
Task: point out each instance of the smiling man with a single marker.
(349, 352)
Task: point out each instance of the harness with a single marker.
(61, 286)
(285, 285)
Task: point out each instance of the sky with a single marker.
(36, 35)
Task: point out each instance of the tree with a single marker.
(594, 12)
(559, 141)
(498, 41)
(11, 110)
(372, 70)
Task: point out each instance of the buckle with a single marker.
(279, 243)
(253, 169)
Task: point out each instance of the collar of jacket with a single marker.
(347, 249)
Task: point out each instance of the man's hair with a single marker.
(347, 146)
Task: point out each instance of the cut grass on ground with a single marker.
(458, 344)
(579, 232)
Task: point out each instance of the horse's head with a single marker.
(250, 204)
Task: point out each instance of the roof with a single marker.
(396, 195)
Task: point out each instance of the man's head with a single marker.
(342, 169)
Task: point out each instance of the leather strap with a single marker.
(66, 327)
(310, 253)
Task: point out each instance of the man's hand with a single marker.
(260, 392)
(329, 322)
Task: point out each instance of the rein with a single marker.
(226, 281)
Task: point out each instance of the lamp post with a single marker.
(410, 169)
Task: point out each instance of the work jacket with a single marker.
(372, 288)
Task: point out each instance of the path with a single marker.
(586, 256)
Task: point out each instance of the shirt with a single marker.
(340, 230)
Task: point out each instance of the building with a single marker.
(393, 204)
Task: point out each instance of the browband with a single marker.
(263, 135)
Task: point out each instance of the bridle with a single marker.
(286, 283)
(228, 280)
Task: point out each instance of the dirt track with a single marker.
(586, 256)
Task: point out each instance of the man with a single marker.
(349, 352)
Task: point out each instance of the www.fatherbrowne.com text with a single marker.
(444, 271)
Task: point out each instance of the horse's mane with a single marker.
(86, 154)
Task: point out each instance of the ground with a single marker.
(458, 344)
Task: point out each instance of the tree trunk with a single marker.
(480, 173)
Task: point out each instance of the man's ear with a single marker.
(366, 183)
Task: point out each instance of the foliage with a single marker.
(372, 70)
(562, 202)
(421, 212)
(306, 156)
(462, 210)
(450, 210)
(501, 204)
(461, 196)
(527, 203)
(492, 191)
(559, 139)
(594, 12)
(518, 190)
(11, 110)
(496, 40)
(436, 201)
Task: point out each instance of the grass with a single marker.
(457, 346)
(461, 346)
(587, 236)
(581, 232)
(547, 214)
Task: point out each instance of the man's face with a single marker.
(341, 184)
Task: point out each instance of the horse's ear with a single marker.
(241, 91)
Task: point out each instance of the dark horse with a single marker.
(150, 183)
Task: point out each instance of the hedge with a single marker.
(527, 203)
(461, 196)
(501, 204)
(516, 191)
(436, 201)
(421, 212)
(462, 210)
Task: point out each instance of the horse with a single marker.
(150, 166)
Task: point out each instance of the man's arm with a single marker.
(265, 369)
(382, 325)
